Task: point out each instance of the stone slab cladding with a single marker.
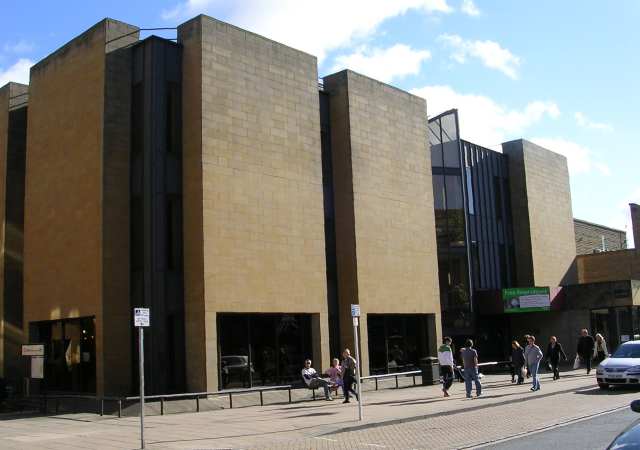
(253, 208)
(544, 236)
(385, 224)
(77, 195)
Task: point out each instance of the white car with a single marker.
(621, 368)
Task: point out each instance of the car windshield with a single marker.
(627, 351)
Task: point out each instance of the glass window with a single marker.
(470, 199)
(396, 342)
(69, 354)
(440, 209)
(455, 211)
(263, 349)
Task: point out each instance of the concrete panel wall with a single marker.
(259, 184)
(589, 238)
(542, 215)
(116, 305)
(384, 201)
(64, 202)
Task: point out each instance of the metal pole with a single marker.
(360, 400)
(141, 358)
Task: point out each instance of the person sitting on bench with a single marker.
(313, 381)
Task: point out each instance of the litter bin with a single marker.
(430, 370)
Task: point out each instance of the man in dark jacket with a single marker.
(517, 361)
(586, 344)
(554, 353)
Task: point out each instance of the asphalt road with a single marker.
(596, 434)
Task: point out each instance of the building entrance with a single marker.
(70, 354)
(262, 349)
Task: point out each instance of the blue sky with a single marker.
(565, 74)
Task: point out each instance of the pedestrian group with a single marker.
(525, 363)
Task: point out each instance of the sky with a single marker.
(563, 74)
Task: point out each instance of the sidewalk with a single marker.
(323, 424)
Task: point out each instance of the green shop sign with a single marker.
(520, 300)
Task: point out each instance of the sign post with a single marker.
(355, 315)
(141, 319)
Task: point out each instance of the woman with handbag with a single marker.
(517, 361)
(600, 349)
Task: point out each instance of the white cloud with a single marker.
(469, 8)
(383, 64)
(583, 121)
(19, 72)
(483, 120)
(580, 159)
(19, 47)
(309, 26)
(490, 53)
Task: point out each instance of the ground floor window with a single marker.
(396, 342)
(262, 349)
(70, 353)
(616, 325)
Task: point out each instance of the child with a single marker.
(335, 373)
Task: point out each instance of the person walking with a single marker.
(470, 364)
(586, 346)
(445, 358)
(517, 361)
(600, 349)
(348, 375)
(554, 353)
(526, 368)
(533, 355)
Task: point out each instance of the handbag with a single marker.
(523, 372)
(576, 362)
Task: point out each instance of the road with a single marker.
(596, 434)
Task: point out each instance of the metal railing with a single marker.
(197, 396)
(375, 378)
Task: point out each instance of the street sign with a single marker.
(355, 310)
(33, 350)
(141, 317)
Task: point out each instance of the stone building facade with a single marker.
(217, 182)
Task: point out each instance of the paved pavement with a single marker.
(416, 417)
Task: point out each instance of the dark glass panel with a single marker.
(455, 211)
(233, 332)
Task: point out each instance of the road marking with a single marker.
(543, 429)
(376, 445)
(326, 439)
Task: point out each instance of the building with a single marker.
(212, 180)
(218, 182)
(594, 238)
(503, 220)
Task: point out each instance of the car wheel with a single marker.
(603, 386)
